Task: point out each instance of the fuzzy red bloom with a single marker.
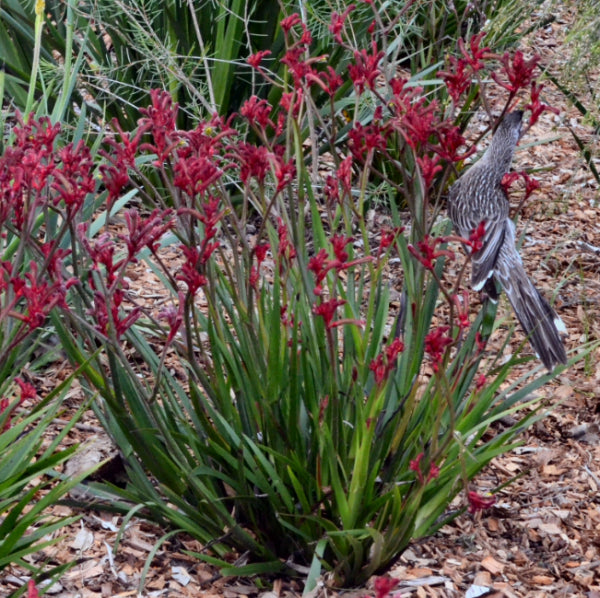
(478, 502)
(329, 81)
(339, 242)
(385, 585)
(387, 238)
(337, 23)
(190, 270)
(319, 266)
(289, 22)
(32, 591)
(327, 310)
(531, 184)
(426, 251)
(475, 241)
(365, 69)
(450, 141)
(418, 121)
(74, 177)
(145, 232)
(101, 251)
(260, 251)
(160, 119)
(385, 362)
(475, 55)
(331, 190)
(508, 179)
(40, 297)
(254, 60)
(194, 174)
(108, 316)
(480, 382)
(364, 139)
(285, 172)
(481, 342)
(457, 78)
(536, 107)
(28, 391)
(435, 345)
(429, 166)
(415, 465)
(461, 302)
(174, 317)
(257, 111)
(344, 175)
(518, 71)
(286, 251)
(254, 161)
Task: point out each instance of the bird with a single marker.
(478, 197)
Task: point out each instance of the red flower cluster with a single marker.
(286, 251)
(32, 165)
(517, 70)
(109, 286)
(365, 70)
(385, 362)
(257, 112)
(34, 175)
(537, 107)
(174, 318)
(478, 502)
(459, 76)
(427, 253)
(320, 264)
(475, 240)
(145, 232)
(364, 140)
(415, 465)
(461, 303)
(337, 23)
(531, 184)
(256, 59)
(27, 391)
(436, 343)
(119, 159)
(160, 121)
(32, 591)
(384, 586)
(328, 310)
(260, 252)
(429, 166)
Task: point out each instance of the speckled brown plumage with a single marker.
(479, 196)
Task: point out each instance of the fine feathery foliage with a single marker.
(278, 401)
(198, 50)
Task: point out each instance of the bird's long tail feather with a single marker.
(539, 321)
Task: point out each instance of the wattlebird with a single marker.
(478, 197)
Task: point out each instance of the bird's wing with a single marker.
(484, 260)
